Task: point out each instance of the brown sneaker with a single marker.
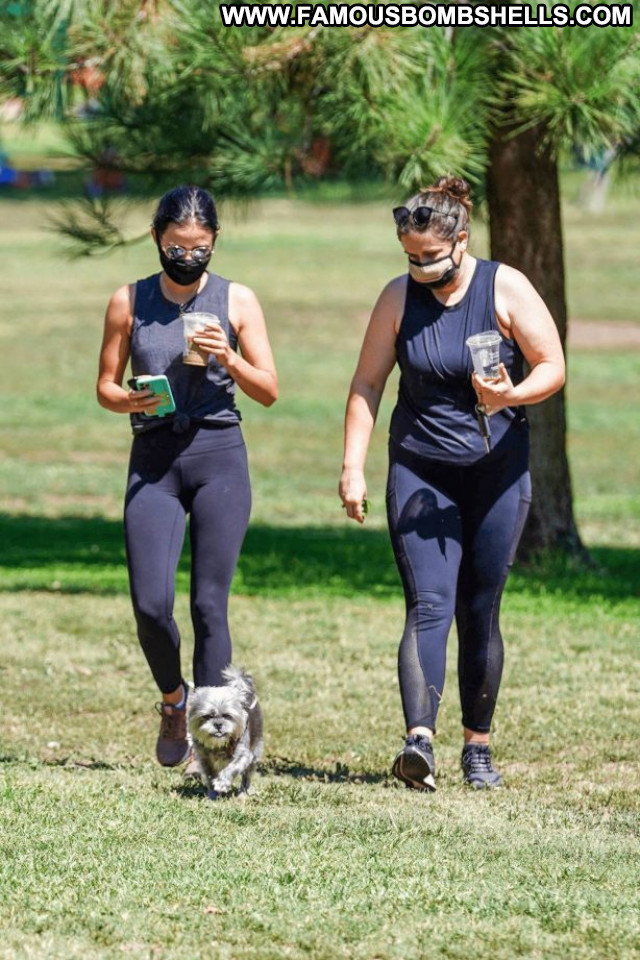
(172, 746)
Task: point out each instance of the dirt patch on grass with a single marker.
(603, 335)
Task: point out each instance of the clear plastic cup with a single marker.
(485, 353)
(193, 324)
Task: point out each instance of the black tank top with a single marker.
(435, 413)
(202, 394)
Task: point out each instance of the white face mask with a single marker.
(435, 273)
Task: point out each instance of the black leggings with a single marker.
(202, 472)
(454, 532)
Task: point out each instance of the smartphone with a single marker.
(160, 386)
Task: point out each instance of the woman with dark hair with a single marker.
(189, 461)
(456, 501)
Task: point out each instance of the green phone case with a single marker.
(160, 386)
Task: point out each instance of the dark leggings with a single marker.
(454, 532)
(204, 473)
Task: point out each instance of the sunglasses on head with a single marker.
(198, 254)
(419, 217)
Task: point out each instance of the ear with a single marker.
(154, 235)
(244, 695)
(249, 695)
(463, 239)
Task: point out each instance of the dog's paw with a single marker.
(220, 786)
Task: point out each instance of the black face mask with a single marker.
(182, 272)
(446, 278)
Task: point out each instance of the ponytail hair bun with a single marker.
(454, 187)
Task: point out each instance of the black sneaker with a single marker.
(415, 765)
(477, 768)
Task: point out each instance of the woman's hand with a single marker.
(213, 341)
(353, 493)
(142, 401)
(495, 394)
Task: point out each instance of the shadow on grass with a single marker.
(68, 763)
(76, 554)
(86, 554)
(283, 767)
(64, 763)
(193, 787)
(340, 773)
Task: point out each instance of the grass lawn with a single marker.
(106, 855)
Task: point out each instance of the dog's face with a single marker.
(217, 715)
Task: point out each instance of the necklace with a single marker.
(181, 304)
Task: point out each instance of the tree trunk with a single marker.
(526, 233)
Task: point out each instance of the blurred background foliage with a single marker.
(161, 91)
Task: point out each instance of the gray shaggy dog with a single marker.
(225, 724)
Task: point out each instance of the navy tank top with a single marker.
(435, 412)
(202, 394)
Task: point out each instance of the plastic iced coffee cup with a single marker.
(485, 353)
(192, 325)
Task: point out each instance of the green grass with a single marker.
(106, 855)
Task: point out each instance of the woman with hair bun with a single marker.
(189, 460)
(456, 503)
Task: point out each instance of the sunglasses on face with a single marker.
(419, 217)
(198, 254)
